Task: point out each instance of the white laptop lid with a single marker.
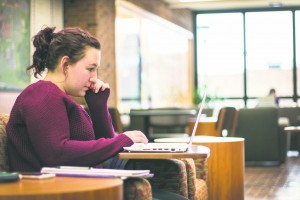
(197, 119)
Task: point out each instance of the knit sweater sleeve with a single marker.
(102, 123)
(47, 121)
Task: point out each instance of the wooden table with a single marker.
(195, 152)
(226, 165)
(63, 188)
(206, 126)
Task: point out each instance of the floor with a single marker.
(274, 183)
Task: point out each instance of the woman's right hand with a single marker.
(137, 136)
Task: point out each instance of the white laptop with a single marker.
(168, 147)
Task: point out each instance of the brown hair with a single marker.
(50, 47)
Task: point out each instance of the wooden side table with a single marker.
(226, 165)
(63, 188)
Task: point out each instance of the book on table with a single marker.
(95, 172)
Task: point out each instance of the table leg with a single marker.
(288, 141)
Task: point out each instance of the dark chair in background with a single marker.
(227, 120)
(168, 126)
(265, 142)
(116, 119)
(161, 122)
(208, 112)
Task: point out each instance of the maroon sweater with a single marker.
(48, 128)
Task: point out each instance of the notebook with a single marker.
(94, 172)
(168, 147)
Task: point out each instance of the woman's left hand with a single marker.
(97, 84)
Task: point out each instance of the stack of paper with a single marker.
(94, 172)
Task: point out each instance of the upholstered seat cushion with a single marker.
(3, 143)
(137, 189)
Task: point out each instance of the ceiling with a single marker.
(229, 4)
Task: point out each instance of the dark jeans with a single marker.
(116, 163)
(165, 195)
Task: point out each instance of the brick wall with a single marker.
(98, 17)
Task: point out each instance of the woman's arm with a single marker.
(48, 125)
(102, 123)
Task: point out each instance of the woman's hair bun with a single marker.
(43, 37)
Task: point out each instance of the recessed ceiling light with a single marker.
(275, 4)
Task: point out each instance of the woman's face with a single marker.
(79, 74)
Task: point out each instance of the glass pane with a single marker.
(220, 54)
(297, 22)
(127, 54)
(269, 47)
(165, 66)
(153, 61)
(237, 103)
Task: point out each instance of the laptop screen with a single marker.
(198, 118)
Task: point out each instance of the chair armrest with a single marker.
(197, 184)
(201, 168)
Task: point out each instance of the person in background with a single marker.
(271, 100)
(272, 93)
(47, 127)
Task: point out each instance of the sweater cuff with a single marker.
(124, 140)
(99, 98)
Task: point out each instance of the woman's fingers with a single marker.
(136, 136)
(97, 84)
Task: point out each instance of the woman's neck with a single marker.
(55, 79)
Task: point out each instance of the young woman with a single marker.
(47, 127)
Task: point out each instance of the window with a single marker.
(297, 33)
(220, 54)
(153, 61)
(266, 37)
(269, 53)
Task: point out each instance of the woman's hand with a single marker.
(97, 84)
(136, 136)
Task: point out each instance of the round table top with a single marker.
(201, 139)
(57, 186)
(292, 128)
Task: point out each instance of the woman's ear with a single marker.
(64, 64)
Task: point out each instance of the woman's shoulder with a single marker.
(41, 84)
(40, 91)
